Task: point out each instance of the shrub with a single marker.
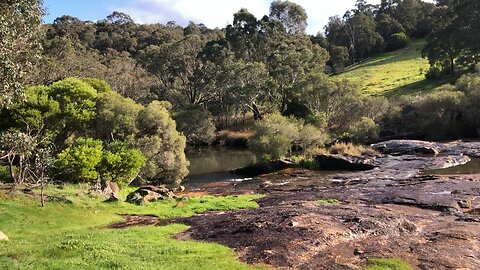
(197, 126)
(437, 114)
(311, 137)
(274, 135)
(397, 41)
(80, 160)
(162, 145)
(349, 149)
(364, 130)
(77, 100)
(120, 163)
(5, 174)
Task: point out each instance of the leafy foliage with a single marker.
(80, 160)
(276, 135)
(162, 145)
(19, 45)
(197, 126)
(120, 163)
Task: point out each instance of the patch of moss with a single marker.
(329, 201)
(387, 264)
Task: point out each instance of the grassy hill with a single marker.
(394, 73)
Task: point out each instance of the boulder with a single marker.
(343, 163)
(112, 191)
(3, 237)
(147, 194)
(406, 147)
(263, 168)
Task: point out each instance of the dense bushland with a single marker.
(92, 134)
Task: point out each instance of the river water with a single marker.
(212, 164)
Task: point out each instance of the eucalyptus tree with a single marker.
(289, 64)
(293, 16)
(20, 33)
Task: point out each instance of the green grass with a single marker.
(387, 264)
(393, 74)
(73, 235)
(328, 201)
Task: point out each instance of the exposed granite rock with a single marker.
(392, 210)
(403, 147)
(344, 163)
(112, 191)
(147, 194)
(308, 235)
(263, 168)
(406, 147)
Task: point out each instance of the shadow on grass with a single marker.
(420, 87)
(409, 53)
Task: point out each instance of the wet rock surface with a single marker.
(403, 147)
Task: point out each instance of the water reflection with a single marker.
(212, 164)
(218, 159)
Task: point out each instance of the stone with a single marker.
(112, 191)
(147, 194)
(180, 204)
(263, 168)
(3, 237)
(406, 147)
(343, 163)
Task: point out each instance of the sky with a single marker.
(212, 13)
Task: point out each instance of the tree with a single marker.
(250, 87)
(17, 148)
(197, 125)
(77, 101)
(290, 62)
(362, 36)
(162, 145)
(355, 31)
(387, 25)
(116, 117)
(20, 28)
(293, 16)
(242, 35)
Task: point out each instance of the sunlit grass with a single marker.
(394, 73)
(387, 264)
(74, 236)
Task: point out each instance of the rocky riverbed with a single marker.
(308, 220)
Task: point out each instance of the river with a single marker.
(212, 164)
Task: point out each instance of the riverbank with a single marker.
(303, 219)
(311, 220)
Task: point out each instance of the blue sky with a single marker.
(213, 13)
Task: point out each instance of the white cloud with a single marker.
(219, 13)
